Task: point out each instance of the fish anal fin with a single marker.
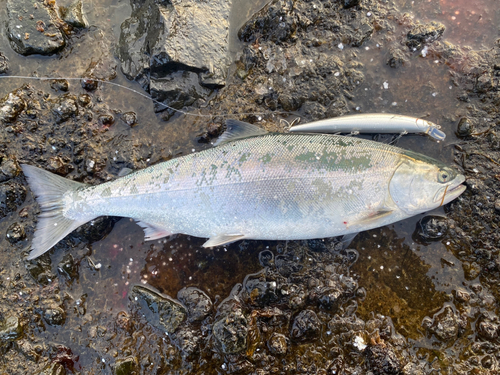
(223, 239)
(238, 130)
(153, 232)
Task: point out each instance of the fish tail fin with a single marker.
(53, 226)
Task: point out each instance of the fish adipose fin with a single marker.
(238, 130)
(52, 225)
(153, 232)
(223, 239)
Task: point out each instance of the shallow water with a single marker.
(404, 280)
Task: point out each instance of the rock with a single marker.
(306, 325)
(12, 195)
(231, 332)
(10, 329)
(471, 270)
(59, 85)
(127, 366)
(10, 107)
(9, 168)
(383, 360)
(15, 233)
(277, 344)
(488, 327)
(95, 230)
(161, 310)
(266, 258)
(259, 290)
(84, 99)
(129, 118)
(431, 228)
(4, 63)
(34, 28)
(40, 270)
(73, 15)
(55, 316)
(187, 342)
(350, 3)
(68, 267)
(65, 108)
(444, 325)
(106, 120)
(198, 304)
(57, 165)
(177, 90)
(397, 58)
(464, 128)
(497, 205)
(188, 36)
(55, 368)
(424, 34)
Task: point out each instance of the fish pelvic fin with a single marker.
(52, 225)
(223, 239)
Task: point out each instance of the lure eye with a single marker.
(443, 176)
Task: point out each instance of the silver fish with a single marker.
(255, 185)
(373, 123)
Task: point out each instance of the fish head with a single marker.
(422, 184)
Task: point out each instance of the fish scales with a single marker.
(280, 186)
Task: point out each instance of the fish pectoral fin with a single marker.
(223, 239)
(373, 217)
(153, 232)
(347, 239)
(238, 130)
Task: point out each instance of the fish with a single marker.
(373, 123)
(254, 185)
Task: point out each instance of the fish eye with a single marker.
(443, 176)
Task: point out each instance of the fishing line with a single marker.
(145, 96)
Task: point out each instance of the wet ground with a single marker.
(422, 295)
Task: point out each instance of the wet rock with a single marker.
(266, 258)
(106, 120)
(161, 310)
(497, 205)
(287, 265)
(33, 28)
(259, 290)
(15, 233)
(431, 228)
(177, 90)
(84, 99)
(397, 58)
(9, 168)
(488, 327)
(445, 324)
(59, 85)
(10, 329)
(306, 325)
(4, 63)
(277, 344)
(163, 38)
(424, 34)
(54, 368)
(350, 3)
(40, 269)
(68, 267)
(55, 316)
(464, 128)
(10, 107)
(56, 164)
(95, 230)
(187, 341)
(73, 15)
(65, 108)
(383, 360)
(462, 295)
(275, 22)
(127, 366)
(231, 332)
(130, 118)
(471, 270)
(198, 304)
(12, 195)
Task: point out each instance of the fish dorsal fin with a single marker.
(238, 130)
(223, 239)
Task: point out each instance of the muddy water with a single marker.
(404, 280)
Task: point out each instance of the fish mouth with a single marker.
(450, 192)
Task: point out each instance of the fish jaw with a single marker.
(450, 192)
